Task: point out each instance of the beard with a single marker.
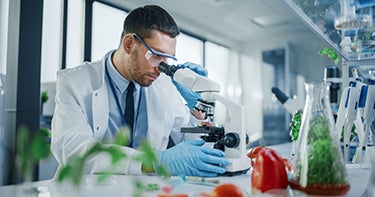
(141, 73)
(145, 79)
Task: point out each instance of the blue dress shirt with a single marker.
(117, 93)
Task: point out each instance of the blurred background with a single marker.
(247, 46)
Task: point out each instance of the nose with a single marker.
(157, 70)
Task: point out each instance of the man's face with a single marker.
(143, 67)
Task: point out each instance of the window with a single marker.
(51, 40)
(217, 61)
(189, 49)
(75, 31)
(106, 29)
(4, 10)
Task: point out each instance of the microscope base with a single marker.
(238, 166)
(227, 173)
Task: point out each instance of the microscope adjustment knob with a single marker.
(232, 140)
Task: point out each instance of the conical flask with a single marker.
(319, 168)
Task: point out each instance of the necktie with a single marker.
(129, 109)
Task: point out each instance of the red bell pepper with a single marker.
(268, 172)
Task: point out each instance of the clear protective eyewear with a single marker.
(155, 57)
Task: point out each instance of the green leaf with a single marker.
(64, 173)
(23, 142)
(332, 54)
(77, 170)
(44, 132)
(96, 148)
(115, 153)
(121, 138)
(295, 125)
(75, 166)
(147, 157)
(139, 188)
(44, 96)
(104, 175)
(162, 171)
(39, 148)
(324, 51)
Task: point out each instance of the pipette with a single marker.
(348, 112)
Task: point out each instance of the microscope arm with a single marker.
(195, 82)
(234, 122)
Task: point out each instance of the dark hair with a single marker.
(144, 19)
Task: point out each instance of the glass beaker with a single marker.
(319, 168)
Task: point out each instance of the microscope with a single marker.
(231, 136)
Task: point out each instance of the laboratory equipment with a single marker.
(332, 76)
(319, 168)
(347, 113)
(364, 121)
(292, 105)
(348, 27)
(229, 137)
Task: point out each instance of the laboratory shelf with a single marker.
(346, 25)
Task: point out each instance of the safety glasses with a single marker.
(155, 57)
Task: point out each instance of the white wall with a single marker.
(309, 64)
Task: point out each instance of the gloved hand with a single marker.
(190, 158)
(190, 96)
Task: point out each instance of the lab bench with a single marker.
(124, 185)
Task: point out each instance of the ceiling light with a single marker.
(267, 22)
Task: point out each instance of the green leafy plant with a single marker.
(324, 163)
(31, 148)
(331, 53)
(44, 97)
(295, 125)
(74, 169)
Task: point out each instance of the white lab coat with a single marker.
(81, 116)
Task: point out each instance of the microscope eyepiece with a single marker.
(167, 69)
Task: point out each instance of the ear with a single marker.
(127, 42)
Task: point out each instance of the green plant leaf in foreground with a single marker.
(150, 160)
(31, 148)
(39, 149)
(74, 169)
(121, 138)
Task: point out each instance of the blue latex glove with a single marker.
(190, 96)
(190, 158)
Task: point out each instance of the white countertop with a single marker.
(123, 185)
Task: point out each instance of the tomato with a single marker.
(269, 172)
(253, 153)
(226, 190)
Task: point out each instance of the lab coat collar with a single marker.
(118, 80)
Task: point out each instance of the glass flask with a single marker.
(318, 167)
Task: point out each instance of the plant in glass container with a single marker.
(319, 165)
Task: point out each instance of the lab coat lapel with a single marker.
(156, 125)
(100, 109)
(100, 112)
(160, 112)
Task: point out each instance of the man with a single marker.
(90, 102)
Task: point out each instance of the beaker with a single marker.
(319, 168)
